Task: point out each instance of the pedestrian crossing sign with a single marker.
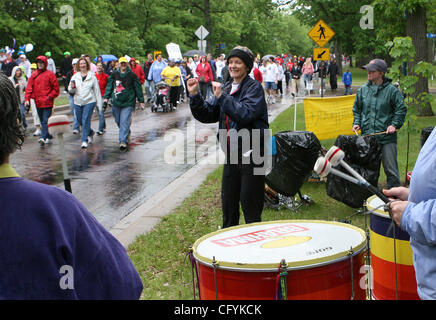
(321, 33)
(321, 54)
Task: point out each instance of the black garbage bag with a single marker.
(363, 154)
(425, 133)
(297, 152)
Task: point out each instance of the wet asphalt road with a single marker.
(111, 183)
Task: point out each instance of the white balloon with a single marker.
(29, 47)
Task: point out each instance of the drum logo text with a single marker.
(259, 235)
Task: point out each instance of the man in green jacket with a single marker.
(124, 88)
(379, 107)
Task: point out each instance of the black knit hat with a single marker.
(245, 55)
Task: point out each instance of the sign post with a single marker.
(201, 34)
(321, 33)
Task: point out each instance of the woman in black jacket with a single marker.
(240, 109)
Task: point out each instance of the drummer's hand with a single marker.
(391, 129)
(397, 209)
(356, 128)
(400, 193)
(192, 85)
(217, 89)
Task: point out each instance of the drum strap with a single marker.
(395, 260)
(190, 255)
(281, 283)
(215, 265)
(350, 253)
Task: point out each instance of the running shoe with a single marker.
(84, 145)
(123, 146)
(37, 133)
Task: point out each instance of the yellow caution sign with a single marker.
(321, 33)
(321, 54)
(156, 53)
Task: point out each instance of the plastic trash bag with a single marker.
(363, 154)
(295, 155)
(425, 133)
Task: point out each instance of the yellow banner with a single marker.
(329, 117)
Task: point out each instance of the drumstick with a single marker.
(323, 167)
(336, 156)
(377, 133)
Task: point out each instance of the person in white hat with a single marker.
(22, 61)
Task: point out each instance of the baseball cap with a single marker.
(376, 65)
(48, 54)
(75, 60)
(195, 55)
(67, 53)
(33, 66)
(122, 59)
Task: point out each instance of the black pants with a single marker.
(280, 86)
(240, 185)
(174, 96)
(203, 89)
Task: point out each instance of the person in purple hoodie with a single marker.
(51, 247)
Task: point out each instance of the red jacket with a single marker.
(257, 75)
(138, 71)
(102, 81)
(43, 86)
(205, 72)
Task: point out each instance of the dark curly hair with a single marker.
(11, 128)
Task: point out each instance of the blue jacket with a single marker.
(347, 78)
(244, 109)
(419, 219)
(48, 236)
(155, 71)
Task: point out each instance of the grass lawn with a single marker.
(160, 255)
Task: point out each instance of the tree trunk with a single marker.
(416, 28)
(338, 54)
(208, 25)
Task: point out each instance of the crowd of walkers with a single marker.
(121, 83)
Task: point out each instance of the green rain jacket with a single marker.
(377, 107)
(124, 89)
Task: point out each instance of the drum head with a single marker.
(375, 202)
(261, 246)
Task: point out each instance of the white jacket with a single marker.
(87, 91)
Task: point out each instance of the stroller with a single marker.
(161, 97)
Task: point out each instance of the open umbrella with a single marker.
(191, 53)
(268, 56)
(106, 57)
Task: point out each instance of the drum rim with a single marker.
(377, 212)
(268, 267)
